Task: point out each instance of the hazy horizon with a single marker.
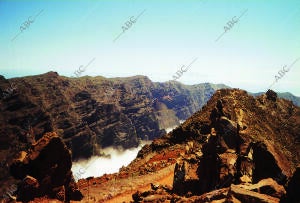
(163, 82)
(160, 39)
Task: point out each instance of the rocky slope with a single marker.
(90, 113)
(250, 149)
(236, 149)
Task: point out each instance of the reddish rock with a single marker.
(266, 186)
(46, 170)
(248, 196)
(241, 159)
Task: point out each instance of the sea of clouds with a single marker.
(97, 166)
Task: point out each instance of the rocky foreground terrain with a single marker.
(44, 170)
(236, 149)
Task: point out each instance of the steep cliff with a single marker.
(90, 113)
(238, 148)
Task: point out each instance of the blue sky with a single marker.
(169, 34)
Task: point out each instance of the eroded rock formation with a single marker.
(91, 113)
(45, 170)
(242, 156)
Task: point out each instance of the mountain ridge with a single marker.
(90, 113)
(237, 148)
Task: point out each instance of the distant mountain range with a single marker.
(91, 113)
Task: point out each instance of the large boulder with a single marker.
(46, 170)
(228, 157)
(266, 186)
(185, 178)
(244, 195)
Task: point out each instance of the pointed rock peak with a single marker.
(52, 74)
(2, 77)
(271, 95)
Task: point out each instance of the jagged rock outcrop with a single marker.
(45, 170)
(238, 148)
(242, 156)
(271, 95)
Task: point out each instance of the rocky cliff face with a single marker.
(90, 113)
(237, 149)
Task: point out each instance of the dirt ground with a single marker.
(121, 190)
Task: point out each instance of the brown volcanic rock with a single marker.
(271, 95)
(46, 170)
(244, 195)
(233, 194)
(242, 138)
(94, 112)
(246, 144)
(232, 156)
(29, 188)
(266, 186)
(185, 177)
(180, 178)
(293, 194)
(90, 113)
